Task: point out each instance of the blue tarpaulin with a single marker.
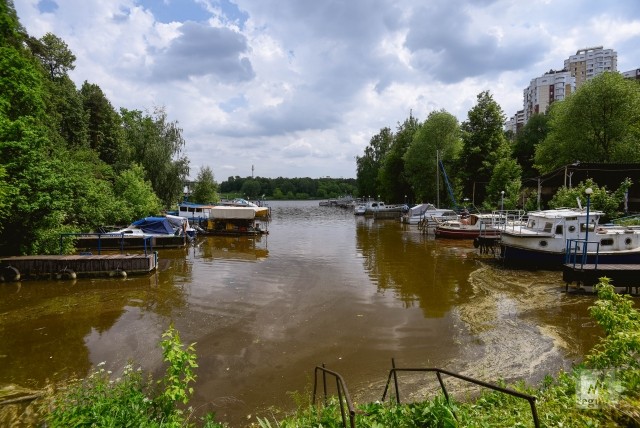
(155, 225)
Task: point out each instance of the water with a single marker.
(324, 286)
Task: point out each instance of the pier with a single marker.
(76, 266)
(621, 275)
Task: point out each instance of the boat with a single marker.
(235, 220)
(553, 237)
(200, 213)
(470, 227)
(378, 209)
(168, 225)
(428, 215)
(360, 209)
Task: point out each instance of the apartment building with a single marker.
(544, 90)
(632, 74)
(589, 62)
(515, 123)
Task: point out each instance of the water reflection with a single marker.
(416, 268)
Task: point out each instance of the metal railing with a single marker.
(439, 372)
(576, 254)
(147, 241)
(343, 394)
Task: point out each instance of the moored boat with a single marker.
(471, 227)
(428, 214)
(553, 237)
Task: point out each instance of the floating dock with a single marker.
(621, 275)
(76, 266)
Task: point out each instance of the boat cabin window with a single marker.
(583, 227)
(547, 226)
(559, 229)
(608, 241)
(572, 228)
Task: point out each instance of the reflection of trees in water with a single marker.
(232, 247)
(44, 324)
(417, 268)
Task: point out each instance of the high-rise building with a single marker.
(632, 74)
(544, 90)
(589, 62)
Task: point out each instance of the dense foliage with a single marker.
(69, 161)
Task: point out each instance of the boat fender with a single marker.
(476, 242)
(10, 274)
(66, 274)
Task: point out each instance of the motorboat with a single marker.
(565, 235)
(470, 227)
(428, 214)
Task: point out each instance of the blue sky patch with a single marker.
(47, 6)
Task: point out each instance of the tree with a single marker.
(506, 178)
(482, 137)
(439, 133)
(157, 144)
(104, 128)
(135, 196)
(54, 54)
(601, 198)
(368, 166)
(598, 123)
(205, 189)
(532, 134)
(392, 175)
(251, 188)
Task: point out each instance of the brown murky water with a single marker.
(323, 287)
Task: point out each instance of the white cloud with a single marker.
(299, 88)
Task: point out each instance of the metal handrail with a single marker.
(572, 251)
(342, 389)
(147, 240)
(394, 370)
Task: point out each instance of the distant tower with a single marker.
(251, 171)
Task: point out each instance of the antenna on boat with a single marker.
(579, 204)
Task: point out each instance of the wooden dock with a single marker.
(75, 266)
(621, 275)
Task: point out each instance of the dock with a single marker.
(76, 266)
(621, 275)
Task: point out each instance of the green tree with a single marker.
(601, 199)
(532, 134)
(482, 138)
(54, 54)
(135, 196)
(157, 145)
(439, 133)
(392, 175)
(104, 126)
(598, 123)
(368, 166)
(506, 178)
(251, 188)
(205, 189)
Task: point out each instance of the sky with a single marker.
(297, 88)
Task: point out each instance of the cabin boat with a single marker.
(470, 227)
(200, 213)
(235, 220)
(360, 209)
(168, 225)
(551, 238)
(428, 214)
(378, 209)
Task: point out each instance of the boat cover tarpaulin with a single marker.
(227, 213)
(156, 225)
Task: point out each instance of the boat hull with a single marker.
(518, 256)
(465, 233)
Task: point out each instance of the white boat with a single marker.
(359, 209)
(553, 237)
(470, 227)
(428, 214)
(379, 209)
(169, 225)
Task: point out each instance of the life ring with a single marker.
(10, 274)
